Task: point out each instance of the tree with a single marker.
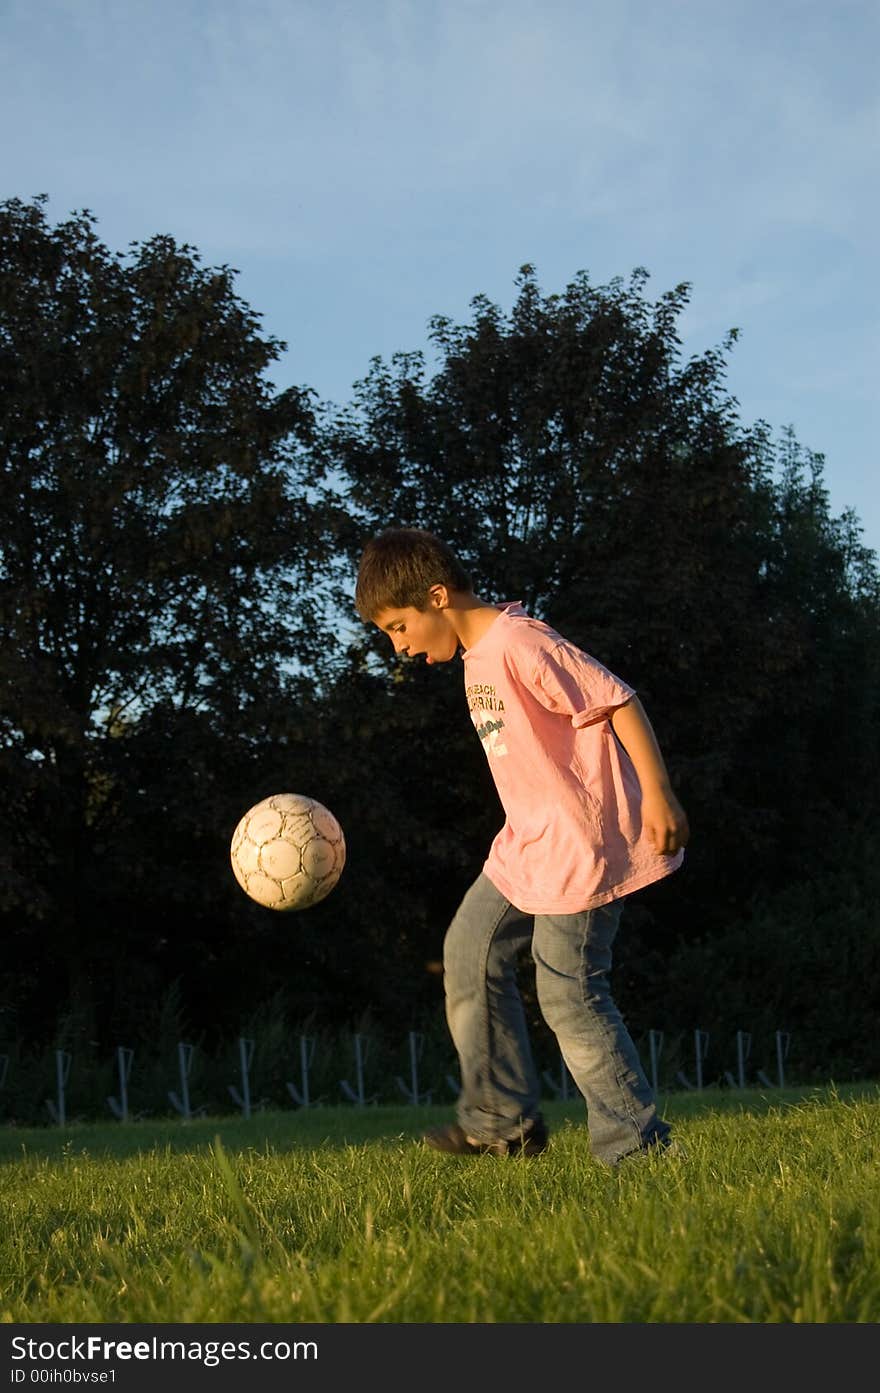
(577, 463)
(158, 598)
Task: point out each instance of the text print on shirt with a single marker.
(483, 699)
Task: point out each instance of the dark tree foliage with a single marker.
(158, 604)
(578, 463)
(178, 640)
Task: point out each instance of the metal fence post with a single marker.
(119, 1107)
(58, 1108)
(184, 1064)
(655, 1044)
(783, 1040)
(416, 1045)
(701, 1046)
(743, 1049)
(356, 1094)
(245, 1055)
(306, 1055)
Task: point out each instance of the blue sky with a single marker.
(366, 165)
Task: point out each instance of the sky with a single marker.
(366, 165)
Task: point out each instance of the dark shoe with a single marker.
(454, 1140)
(670, 1147)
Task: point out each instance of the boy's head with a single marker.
(398, 569)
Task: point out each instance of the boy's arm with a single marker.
(663, 817)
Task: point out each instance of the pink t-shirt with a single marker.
(572, 838)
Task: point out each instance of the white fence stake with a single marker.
(356, 1095)
(412, 1094)
(245, 1055)
(119, 1107)
(783, 1040)
(655, 1044)
(184, 1063)
(701, 1045)
(58, 1110)
(743, 1047)
(306, 1055)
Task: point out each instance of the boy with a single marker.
(590, 817)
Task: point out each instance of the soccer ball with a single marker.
(287, 852)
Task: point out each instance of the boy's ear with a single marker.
(438, 597)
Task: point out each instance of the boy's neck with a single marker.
(470, 617)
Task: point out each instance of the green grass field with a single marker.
(342, 1215)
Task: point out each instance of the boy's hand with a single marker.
(665, 821)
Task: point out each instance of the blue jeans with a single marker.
(500, 1092)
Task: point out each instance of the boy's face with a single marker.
(426, 631)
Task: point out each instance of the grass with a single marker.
(342, 1215)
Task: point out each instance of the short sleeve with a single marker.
(570, 682)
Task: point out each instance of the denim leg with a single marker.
(572, 955)
(484, 1010)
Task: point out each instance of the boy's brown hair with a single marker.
(398, 568)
